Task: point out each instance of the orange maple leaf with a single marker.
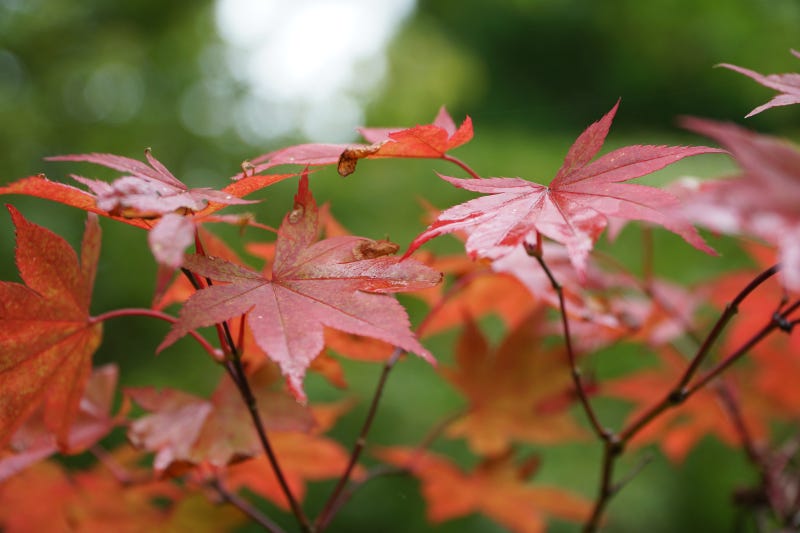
(510, 389)
(47, 337)
(94, 501)
(497, 488)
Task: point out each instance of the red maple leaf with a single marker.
(787, 84)
(764, 200)
(334, 282)
(497, 488)
(425, 141)
(576, 206)
(422, 141)
(47, 337)
(33, 441)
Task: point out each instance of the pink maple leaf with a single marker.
(577, 205)
(786, 84)
(145, 190)
(152, 191)
(764, 200)
(341, 282)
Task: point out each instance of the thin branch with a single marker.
(239, 377)
(731, 309)
(680, 392)
(613, 448)
(385, 470)
(776, 322)
(328, 510)
(244, 506)
(646, 459)
(604, 493)
(730, 404)
(603, 433)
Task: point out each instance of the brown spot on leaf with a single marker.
(373, 249)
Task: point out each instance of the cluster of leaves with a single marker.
(326, 294)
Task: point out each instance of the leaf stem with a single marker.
(215, 353)
(332, 504)
(463, 165)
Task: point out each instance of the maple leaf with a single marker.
(47, 337)
(312, 285)
(33, 441)
(508, 388)
(787, 84)
(185, 430)
(146, 190)
(764, 200)
(422, 141)
(497, 488)
(576, 206)
(150, 197)
(96, 501)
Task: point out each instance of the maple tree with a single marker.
(324, 295)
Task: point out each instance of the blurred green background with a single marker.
(209, 84)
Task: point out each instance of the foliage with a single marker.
(259, 438)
